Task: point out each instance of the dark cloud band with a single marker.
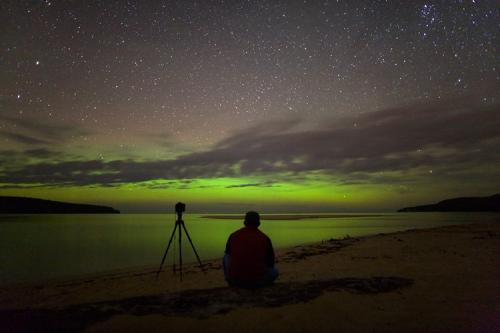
(441, 133)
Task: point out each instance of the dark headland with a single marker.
(466, 204)
(22, 205)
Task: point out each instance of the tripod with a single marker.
(179, 225)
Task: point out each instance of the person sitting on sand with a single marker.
(249, 256)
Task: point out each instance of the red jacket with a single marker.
(251, 255)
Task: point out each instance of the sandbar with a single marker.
(289, 216)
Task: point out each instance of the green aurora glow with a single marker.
(340, 106)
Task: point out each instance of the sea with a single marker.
(37, 248)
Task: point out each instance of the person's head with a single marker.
(252, 219)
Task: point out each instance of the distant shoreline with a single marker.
(464, 204)
(289, 216)
(25, 205)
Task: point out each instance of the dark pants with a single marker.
(271, 275)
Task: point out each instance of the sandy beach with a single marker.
(428, 280)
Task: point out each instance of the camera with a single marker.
(180, 208)
(179, 223)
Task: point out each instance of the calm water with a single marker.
(40, 247)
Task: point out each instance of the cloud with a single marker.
(41, 153)
(262, 184)
(35, 132)
(446, 134)
(13, 157)
(23, 139)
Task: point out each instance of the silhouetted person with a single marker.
(249, 256)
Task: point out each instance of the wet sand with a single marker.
(429, 280)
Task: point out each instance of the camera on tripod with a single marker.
(179, 226)
(179, 209)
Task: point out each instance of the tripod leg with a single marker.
(180, 248)
(166, 251)
(194, 249)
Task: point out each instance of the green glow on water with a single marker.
(34, 247)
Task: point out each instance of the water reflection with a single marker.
(34, 247)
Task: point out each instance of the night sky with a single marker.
(236, 105)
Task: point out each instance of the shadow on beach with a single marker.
(191, 303)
